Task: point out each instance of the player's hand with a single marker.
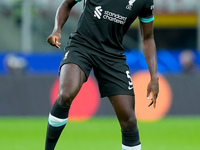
(54, 39)
(153, 89)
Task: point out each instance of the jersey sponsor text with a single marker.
(107, 15)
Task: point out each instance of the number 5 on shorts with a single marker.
(130, 80)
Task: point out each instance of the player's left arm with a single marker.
(149, 50)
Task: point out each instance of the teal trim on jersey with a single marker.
(146, 20)
(78, 0)
(56, 124)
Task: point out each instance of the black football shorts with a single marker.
(113, 78)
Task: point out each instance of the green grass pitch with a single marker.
(100, 133)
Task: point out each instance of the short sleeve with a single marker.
(78, 0)
(146, 14)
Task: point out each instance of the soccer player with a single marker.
(97, 44)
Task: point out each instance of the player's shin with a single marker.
(131, 140)
(57, 120)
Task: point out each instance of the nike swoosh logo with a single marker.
(130, 87)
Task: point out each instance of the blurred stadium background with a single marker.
(29, 75)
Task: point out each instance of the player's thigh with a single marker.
(71, 79)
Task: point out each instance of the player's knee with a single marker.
(65, 98)
(129, 124)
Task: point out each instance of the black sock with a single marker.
(56, 123)
(130, 138)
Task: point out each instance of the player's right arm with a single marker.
(61, 17)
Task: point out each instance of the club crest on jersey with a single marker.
(130, 4)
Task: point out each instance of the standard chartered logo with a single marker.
(114, 17)
(97, 12)
(117, 18)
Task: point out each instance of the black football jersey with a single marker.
(104, 23)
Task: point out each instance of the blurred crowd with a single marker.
(42, 20)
